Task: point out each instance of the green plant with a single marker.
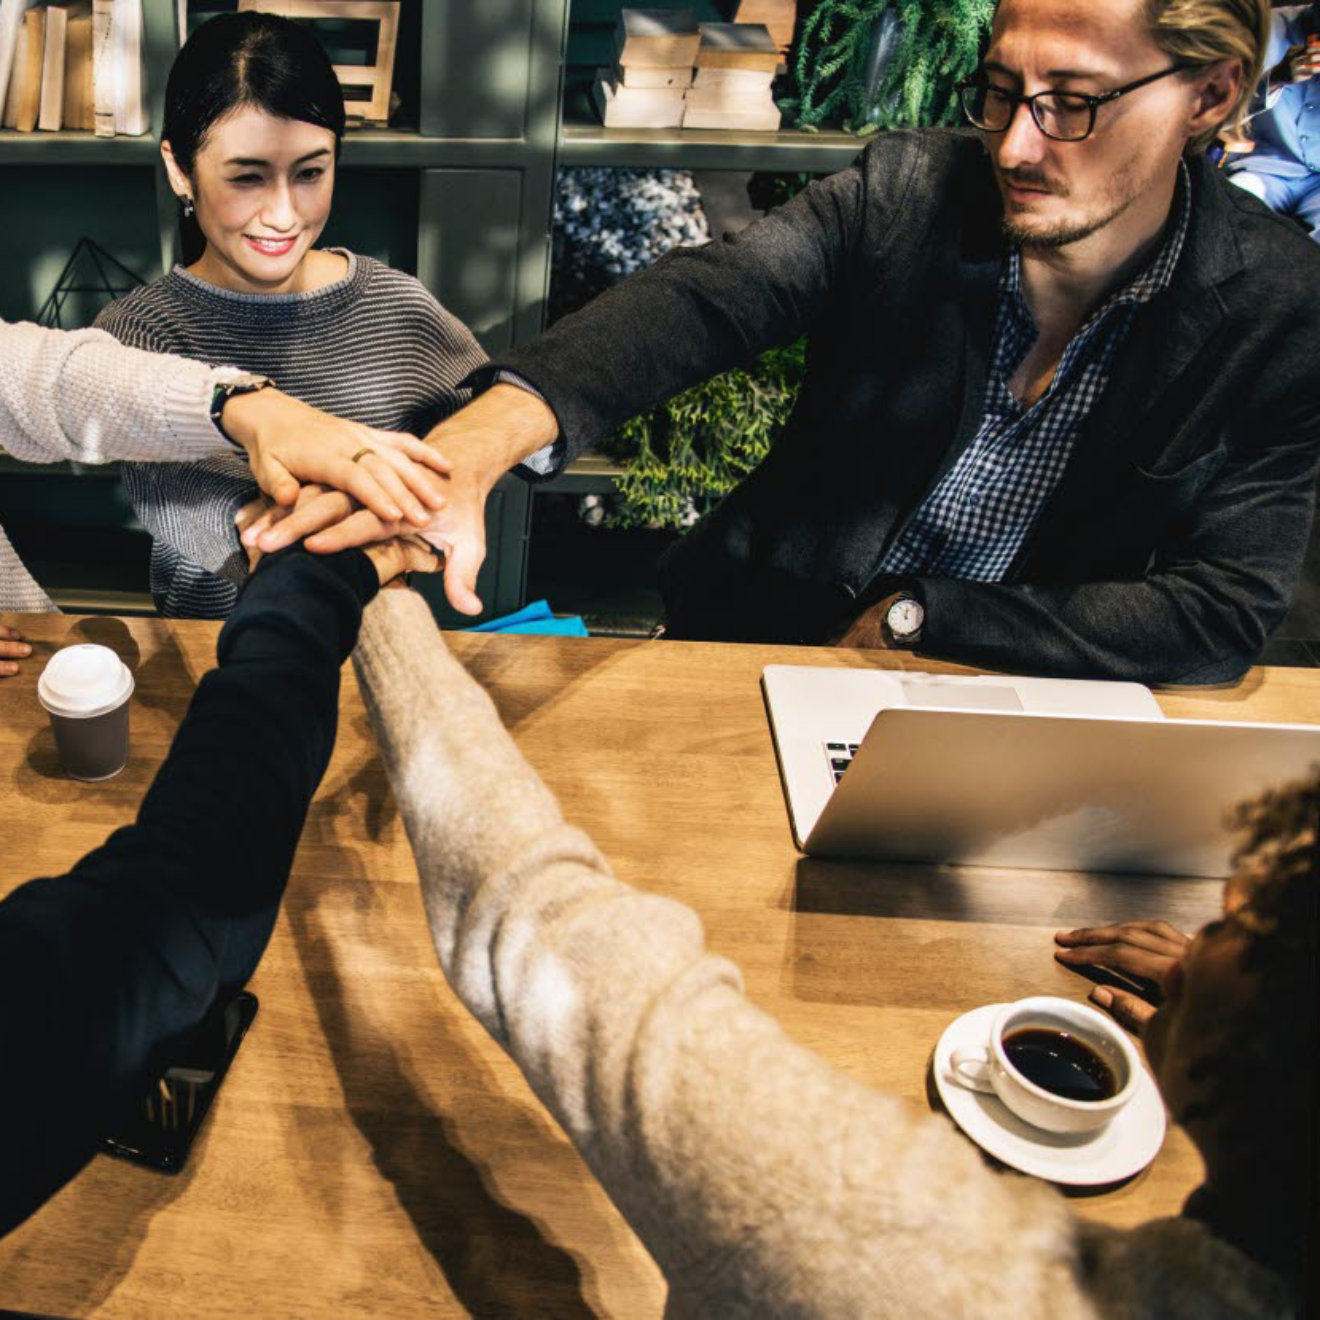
(938, 43)
(688, 453)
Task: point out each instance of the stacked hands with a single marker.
(1145, 954)
(300, 455)
(479, 444)
(399, 498)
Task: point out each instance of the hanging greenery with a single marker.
(871, 64)
(687, 454)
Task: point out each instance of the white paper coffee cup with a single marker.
(85, 690)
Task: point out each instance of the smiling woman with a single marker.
(254, 118)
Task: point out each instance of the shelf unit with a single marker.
(584, 142)
(464, 200)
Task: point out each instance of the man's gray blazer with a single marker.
(1171, 546)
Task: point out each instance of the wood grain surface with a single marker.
(372, 1152)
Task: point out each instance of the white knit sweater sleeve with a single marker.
(763, 1181)
(80, 396)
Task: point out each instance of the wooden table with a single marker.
(372, 1152)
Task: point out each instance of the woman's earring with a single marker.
(188, 207)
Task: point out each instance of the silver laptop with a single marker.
(1024, 772)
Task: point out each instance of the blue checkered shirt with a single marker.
(974, 523)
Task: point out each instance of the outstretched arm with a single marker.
(80, 396)
(761, 1180)
(102, 968)
(695, 313)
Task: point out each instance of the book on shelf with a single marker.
(737, 46)
(118, 99)
(733, 82)
(764, 118)
(78, 113)
(636, 107)
(779, 17)
(657, 38)
(700, 98)
(11, 24)
(130, 102)
(642, 75)
(103, 69)
(23, 102)
(50, 116)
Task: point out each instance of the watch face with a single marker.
(905, 617)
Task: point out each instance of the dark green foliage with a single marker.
(938, 44)
(690, 452)
(766, 189)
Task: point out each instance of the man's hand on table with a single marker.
(289, 444)
(12, 648)
(481, 442)
(1141, 950)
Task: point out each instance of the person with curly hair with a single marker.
(1232, 1039)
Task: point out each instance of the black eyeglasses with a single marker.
(1063, 116)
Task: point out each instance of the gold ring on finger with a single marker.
(362, 453)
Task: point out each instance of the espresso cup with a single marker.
(85, 690)
(1058, 1065)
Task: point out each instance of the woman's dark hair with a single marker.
(243, 59)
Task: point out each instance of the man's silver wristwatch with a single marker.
(230, 381)
(904, 620)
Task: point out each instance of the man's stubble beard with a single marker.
(1064, 232)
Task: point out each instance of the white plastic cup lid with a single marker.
(83, 681)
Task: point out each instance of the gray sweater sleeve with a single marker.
(763, 1181)
(188, 506)
(79, 396)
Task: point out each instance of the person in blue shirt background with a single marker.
(1284, 168)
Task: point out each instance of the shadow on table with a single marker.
(111, 632)
(964, 935)
(999, 895)
(75, 1265)
(496, 1260)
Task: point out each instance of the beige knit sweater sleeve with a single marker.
(81, 396)
(763, 1181)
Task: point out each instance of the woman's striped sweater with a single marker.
(374, 347)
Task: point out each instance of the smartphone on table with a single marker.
(159, 1131)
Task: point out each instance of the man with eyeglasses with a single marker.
(1061, 411)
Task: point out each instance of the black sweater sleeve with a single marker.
(103, 968)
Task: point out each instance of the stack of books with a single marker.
(736, 64)
(671, 72)
(654, 53)
(72, 66)
(779, 17)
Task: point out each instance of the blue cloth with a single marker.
(1287, 132)
(974, 522)
(1284, 169)
(1298, 197)
(536, 618)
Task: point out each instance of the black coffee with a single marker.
(1060, 1063)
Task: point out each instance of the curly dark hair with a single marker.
(1270, 1052)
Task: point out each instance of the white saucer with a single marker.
(1116, 1152)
